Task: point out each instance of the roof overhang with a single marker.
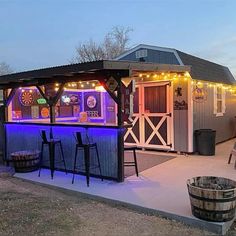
(84, 71)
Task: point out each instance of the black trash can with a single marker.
(205, 141)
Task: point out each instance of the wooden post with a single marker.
(52, 113)
(120, 149)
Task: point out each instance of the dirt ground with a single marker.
(30, 209)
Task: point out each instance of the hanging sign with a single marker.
(127, 101)
(111, 84)
(199, 95)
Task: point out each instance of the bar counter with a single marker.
(26, 136)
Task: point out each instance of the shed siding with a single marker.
(154, 56)
(181, 118)
(204, 117)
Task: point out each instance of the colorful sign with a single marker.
(74, 99)
(91, 101)
(41, 101)
(127, 101)
(35, 112)
(65, 99)
(26, 98)
(16, 114)
(199, 95)
(76, 110)
(45, 112)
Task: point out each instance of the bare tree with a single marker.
(115, 42)
(5, 68)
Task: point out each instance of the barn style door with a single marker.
(152, 120)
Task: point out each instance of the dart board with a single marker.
(26, 98)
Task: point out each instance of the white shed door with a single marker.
(152, 125)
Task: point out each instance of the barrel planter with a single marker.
(212, 198)
(25, 161)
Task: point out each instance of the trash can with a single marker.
(205, 141)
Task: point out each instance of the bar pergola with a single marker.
(101, 71)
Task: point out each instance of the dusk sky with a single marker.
(42, 33)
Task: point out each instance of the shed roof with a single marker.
(206, 70)
(201, 69)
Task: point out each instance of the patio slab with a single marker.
(159, 190)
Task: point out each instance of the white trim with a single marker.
(190, 116)
(170, 100)
(163, 49)
(223, 108)
(141, 117)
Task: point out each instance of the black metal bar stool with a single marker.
(51, 145)
(86, 148)
(134, 162)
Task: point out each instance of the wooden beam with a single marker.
(9, 97)
(120, 139)
(58, 94)
(42, 94)
(113, 96)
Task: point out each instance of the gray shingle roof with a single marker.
(205, 70)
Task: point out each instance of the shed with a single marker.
(204, 99)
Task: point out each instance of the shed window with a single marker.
(219, 101)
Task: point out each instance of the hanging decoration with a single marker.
(199, 95)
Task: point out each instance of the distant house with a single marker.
(205, 99)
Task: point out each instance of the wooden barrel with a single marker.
(25, 161)
(212, 198)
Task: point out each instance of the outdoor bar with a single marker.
(93, 98)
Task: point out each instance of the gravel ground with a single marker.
(30, 209)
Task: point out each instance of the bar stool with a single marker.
(86, 148)
(51, 145)
(134, 162)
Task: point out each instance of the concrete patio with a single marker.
(160, 190)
